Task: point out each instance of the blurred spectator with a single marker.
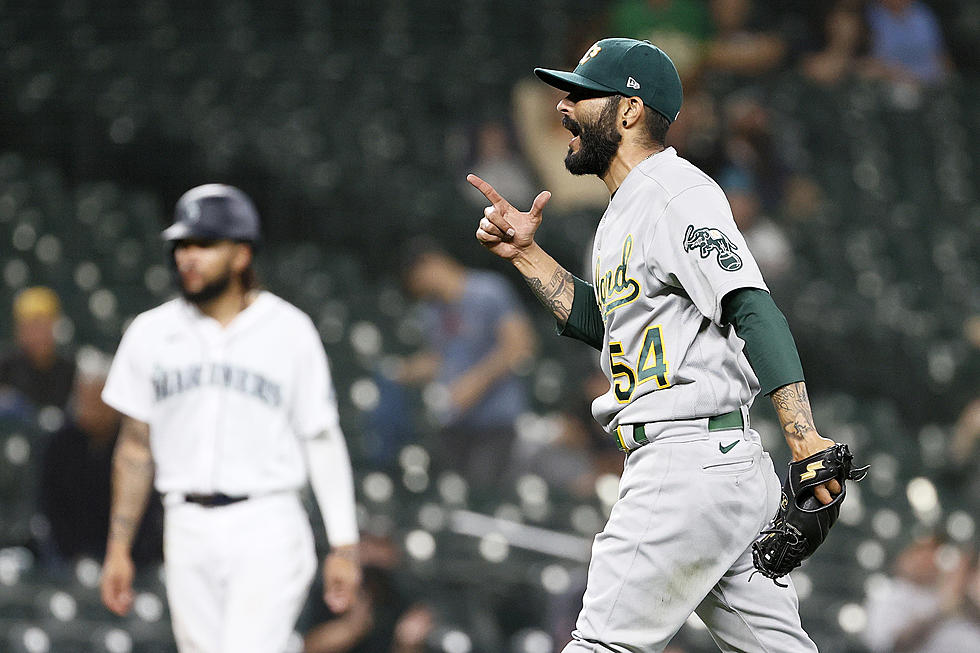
(477, 336)
(413, 629)
(35, 368)
(698, 129)
(740, 46)
(680, 27)
(390, 425)
(929, 605)
(803, 198)
(76, 471)
(964, 448)
(495, 159)
(578, 451)
(766, 239)
(545, 144)
(906, 42)
(967, 433)
(844, 40)
(751, 148)
(381, 620)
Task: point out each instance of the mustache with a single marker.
(571, 125)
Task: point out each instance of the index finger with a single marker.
(489, 192)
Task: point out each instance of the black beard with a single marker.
(211, 290)
(598, 143)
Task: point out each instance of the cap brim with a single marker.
(176, 231)
(183, 231)
(570, 82)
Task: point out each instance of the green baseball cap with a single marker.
(627, 67)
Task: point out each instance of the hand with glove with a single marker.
(812, 493)
(802, 522)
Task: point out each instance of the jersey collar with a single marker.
(644, 166)
(248, 316)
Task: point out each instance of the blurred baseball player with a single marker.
(228, 407)
(675, 294)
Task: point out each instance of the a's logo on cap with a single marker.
(193, 212)
(593, 51)
(632, 83)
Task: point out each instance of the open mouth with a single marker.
(571, 126)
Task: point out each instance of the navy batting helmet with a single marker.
(214, 212)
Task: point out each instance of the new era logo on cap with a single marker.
(632, 83)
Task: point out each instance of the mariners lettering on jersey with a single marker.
(615, 288)
(167, 383)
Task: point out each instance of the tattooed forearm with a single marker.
(788, 396)
(132, 479)
(793, 410)
(556, 293)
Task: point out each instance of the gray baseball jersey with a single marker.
(692, 500)
(666, 252)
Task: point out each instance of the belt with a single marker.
(728, 421)
(213, 500)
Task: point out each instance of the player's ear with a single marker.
(242, 258)
(631, 111)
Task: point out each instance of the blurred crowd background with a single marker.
(845, 134)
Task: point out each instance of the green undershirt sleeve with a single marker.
(769, 345)
(584, 320)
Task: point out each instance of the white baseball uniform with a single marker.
(697, 485)
(236, 411)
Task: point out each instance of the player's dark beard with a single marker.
(211, 290)
(598, 142)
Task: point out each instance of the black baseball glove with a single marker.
(801, 523)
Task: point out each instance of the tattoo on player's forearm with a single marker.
(556, 293)
(793, 410)
(132, 479)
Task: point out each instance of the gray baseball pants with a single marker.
(678, 541)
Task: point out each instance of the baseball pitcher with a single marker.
(688, 336)
(228, 408)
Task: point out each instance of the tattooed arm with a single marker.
(509, 233)
(551, 283)
(132, 480)
(793, 409)
(792, 406)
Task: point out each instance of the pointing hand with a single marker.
(504, 230)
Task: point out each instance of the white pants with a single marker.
(237, 575)
(678, 541)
